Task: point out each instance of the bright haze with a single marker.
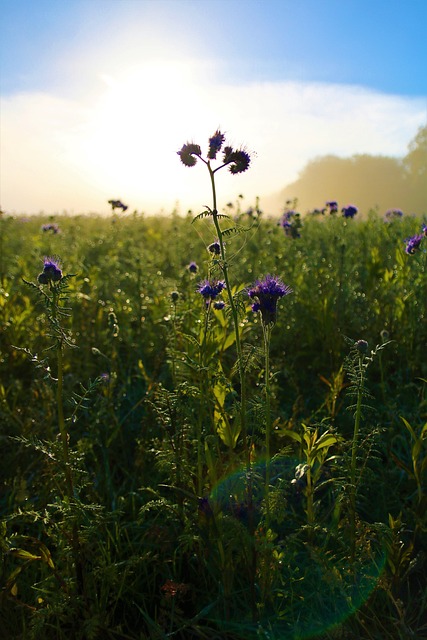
(99, 95)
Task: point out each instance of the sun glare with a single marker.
(127, 143)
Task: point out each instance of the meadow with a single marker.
(214, 425)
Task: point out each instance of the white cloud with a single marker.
(121, 141)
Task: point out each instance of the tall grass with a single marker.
(173, 467)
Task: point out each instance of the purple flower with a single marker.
(215, 248)
(266, 293)
(51, 227)
(349, 211)
(391, 214)
(238, 160)
(192, 267)
(118, 204)
(333, 206)
(210, 289)
(219, 304)
(188, 152)
(413, 243)
(215, 144)
(51, 271)
(291, 223)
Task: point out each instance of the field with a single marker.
(176, 464)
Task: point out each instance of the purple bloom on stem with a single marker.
(187, 153)
(51, 271)
(219, 304)
(266, 293)
(192, 267)
(215, 144)
(413, 243)
(333, 206)
(238, 160)
(349, 211)
(215, 248)
(390, 214)
(210, 289)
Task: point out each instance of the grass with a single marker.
(168, 472)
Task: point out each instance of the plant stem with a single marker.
(75, 542)
(266, 328)
(357, 418)
(235, 318)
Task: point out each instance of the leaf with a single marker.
(23, 555)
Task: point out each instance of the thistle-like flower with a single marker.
(51, 271)
(349, 211)
(333, 206)
(266, 293)
(189, 154)
(215, 144)
(215, 248)
(210, 289)
(237, 160)
(413, 243)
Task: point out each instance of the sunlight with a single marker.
(127, 143)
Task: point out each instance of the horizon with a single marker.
(97, 97)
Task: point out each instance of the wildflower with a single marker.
(188, 152)
(333, 206)
(192, 267)
(51, 271)
(210, 289)
(118, 204)
(361, 346)
(291, 223)
(215, 248)
(51, 227)
(349, 211)
(238, 160)
(174, 296)
(266, 293)
(391, 214)
(219, 304)
(215, 144)
(413, 243)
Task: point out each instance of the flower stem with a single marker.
(357, 419)
(234, 316)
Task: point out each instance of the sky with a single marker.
(97, 96)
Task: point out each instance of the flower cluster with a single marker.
(392, 214)
(215, 248)
(118, 204)
(413, 243)
(51, 227)
(266, 293)
(349, 211)
(332, 205)
(237, 160)
(210, 289)
(291, 223)
(51, 271)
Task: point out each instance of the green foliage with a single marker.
(168, 529)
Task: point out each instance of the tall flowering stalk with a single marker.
(52, 285)
(237, 161)
(265, 294)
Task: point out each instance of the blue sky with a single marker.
(97, 95)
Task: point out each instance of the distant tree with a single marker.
(365, 180)
(415, 167)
